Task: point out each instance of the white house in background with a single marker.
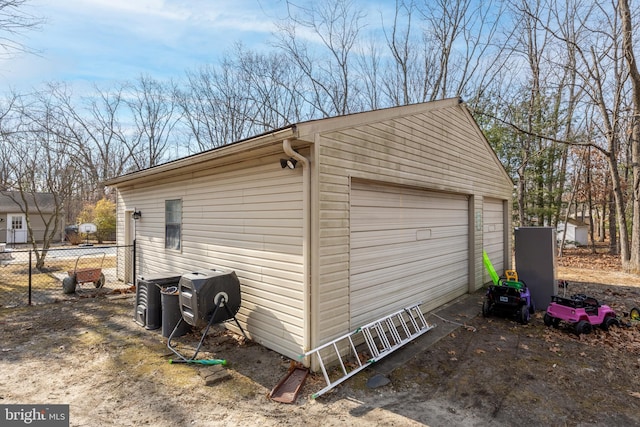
(329, 224)
(577, 232)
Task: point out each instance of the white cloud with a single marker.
(120, 39)
(97, 40)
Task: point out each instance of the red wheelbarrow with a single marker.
(78, 276)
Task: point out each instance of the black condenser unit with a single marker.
(148, 310)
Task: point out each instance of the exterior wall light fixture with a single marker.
(136, 215)
(288, 163)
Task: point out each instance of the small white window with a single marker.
(172, 223)
(16, 222)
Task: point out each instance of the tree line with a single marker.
(554, 85)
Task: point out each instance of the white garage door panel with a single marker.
(373, 258)
(395, 277)
(369, 195)
(387, 218)
(493, 234)
(407, 246)
(403, 290)
(374, 238)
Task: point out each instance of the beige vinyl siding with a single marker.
(38, 225)
(493, 235)
(407, 246)
(246, 218)
(439, 149)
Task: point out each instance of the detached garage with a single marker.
(329, 224)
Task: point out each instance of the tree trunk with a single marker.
(627, 46)
(590, 200)
(613, 233)
(618, 200)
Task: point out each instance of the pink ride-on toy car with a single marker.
(581, 311)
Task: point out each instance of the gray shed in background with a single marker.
(13, 219)
(577, 232)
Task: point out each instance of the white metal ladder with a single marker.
(381, 337)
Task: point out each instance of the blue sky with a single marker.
(101, 41)
(87, 41)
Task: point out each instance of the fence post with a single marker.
(134, 263)
(30, 258)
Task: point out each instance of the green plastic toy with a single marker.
(490, 269)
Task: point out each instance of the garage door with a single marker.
(407, 246)
(493, 235)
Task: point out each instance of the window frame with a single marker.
(17, 220)
(173, 225)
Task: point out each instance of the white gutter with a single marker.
(306, 244)
(178, 166)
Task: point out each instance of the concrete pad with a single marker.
(447, 319)
(378, 380)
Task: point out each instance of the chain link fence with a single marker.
(92, 270)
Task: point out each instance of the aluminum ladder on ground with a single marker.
(381, 338)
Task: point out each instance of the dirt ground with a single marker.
(90, 354)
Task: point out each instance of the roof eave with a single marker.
(257, 142)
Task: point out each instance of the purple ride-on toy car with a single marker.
(509, 297)
(581, 311)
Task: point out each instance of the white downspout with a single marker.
(306, 244)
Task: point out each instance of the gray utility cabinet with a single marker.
(535, 251)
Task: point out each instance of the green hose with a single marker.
(201, 361)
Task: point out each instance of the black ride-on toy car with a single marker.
(508, 296)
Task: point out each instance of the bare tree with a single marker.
(7, 109)
(568, 93)
(603, 76)
(369, 63)
(272, 86)
(247, 94)
(460, 35)
(399, 83)
(634, 77)
(215, 105)
(594, 45)
(154, 111)
(15, 20)
(529, 112)
(39, 163)
(320, 38)
(93, 129)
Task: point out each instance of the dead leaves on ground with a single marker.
(625, 338)
(585, 258)
(601, 276)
